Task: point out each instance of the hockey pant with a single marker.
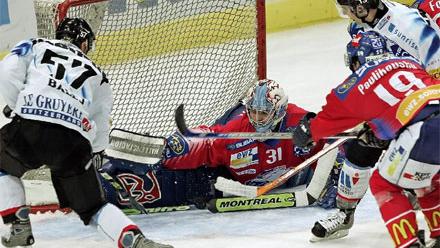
(27, 144)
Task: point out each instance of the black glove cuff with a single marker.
(7, 111)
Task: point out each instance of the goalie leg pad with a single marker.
(153, 187)
(352, 185)
(82, 193)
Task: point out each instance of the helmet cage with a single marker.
(266, 105)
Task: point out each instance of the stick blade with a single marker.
(180, 120)
(235, 188)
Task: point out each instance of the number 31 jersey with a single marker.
(54, 81)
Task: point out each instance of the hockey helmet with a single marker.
(357, 6)
(76, 31)
(365, 47)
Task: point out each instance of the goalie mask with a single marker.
(266, 105)
(365, 47)
(76, 31)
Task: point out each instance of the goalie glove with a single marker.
(367, 138)
(302, 138)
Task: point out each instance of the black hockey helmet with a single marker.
(76, 31)
(367, 4)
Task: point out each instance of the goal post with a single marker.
(161, 53)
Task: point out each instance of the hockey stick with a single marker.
(270, 201)
(236, 188)
(184, 130)
(158, 210)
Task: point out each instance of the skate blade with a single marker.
(430, 243)
(337, 235)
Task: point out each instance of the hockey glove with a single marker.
(367, 138)
(7, 111)
(98, 159)
(302, 137)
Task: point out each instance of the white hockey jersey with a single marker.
(407, 28)
(53, 81)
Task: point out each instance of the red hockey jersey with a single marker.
(432, 8)
(388, 94)
(246, 159)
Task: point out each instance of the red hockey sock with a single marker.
(430, 203)
(397, 211)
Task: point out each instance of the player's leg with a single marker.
(79, 189)
(352, 186)
(13, 209)
(411, 162)
(396, 209)
(92, 209)
(426, 150)
(429, 200)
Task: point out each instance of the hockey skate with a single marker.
(433, 243)
(335, 226)
(137, 240)
(20, 235)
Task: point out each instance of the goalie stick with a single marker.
(235, 204)
(184, 130)
(270, 201)
(238, 189)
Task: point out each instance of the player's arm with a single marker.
(431, 8)
(100, 113)
(13, 70)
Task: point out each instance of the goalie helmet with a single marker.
(365, 47)
(266, 105)
(76, 31)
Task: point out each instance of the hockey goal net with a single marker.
(161, 53)
(158, 54)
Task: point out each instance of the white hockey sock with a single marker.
(12, 194)
(352, 184)
(112, 222)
